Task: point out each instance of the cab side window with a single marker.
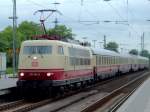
(60, 50)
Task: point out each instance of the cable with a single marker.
(86, 22)
(35, 3)
(123, 18)
(131, 12)
(116, 11)
(80, 12)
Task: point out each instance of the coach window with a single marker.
(97, 60)
(77, 61)
(101, 60)
(117, 60)
(112, 60)
(60, 50)
(81, 61)
(107, 60)
(104, 60)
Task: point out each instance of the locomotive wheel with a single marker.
(48, 91)
(83, 84)
(62, 90)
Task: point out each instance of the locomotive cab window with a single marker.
(37, 50)
(60, 50)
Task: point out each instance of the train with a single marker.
(47, 64)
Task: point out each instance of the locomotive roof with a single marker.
(104, 52)
(46, 42)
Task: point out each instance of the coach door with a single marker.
(95, 67)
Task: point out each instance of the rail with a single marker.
(113, 94)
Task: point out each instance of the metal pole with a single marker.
(104, 41)
(100, 44)
(56, 19)
(82, 2)
(94, 41)
(141, 44)
(143, 41)
(14, 37)
(84, 38)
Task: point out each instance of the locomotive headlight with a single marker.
(34, 57)
(49, 74)
(21, 74)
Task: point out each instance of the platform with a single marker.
(139, 101)
(6, 82)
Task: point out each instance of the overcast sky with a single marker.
(128, 34)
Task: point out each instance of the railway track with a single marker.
(102, 90)
(60, 103)
(7, 106)
(124, 92)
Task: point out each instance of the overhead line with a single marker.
(123, 18)
(116, 11)
(35, 3)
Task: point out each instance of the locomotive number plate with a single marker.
(35, 64)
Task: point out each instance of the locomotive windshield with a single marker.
(37, 50)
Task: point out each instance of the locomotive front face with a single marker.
(34, 61)
(38, 62)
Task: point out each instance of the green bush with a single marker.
(9, 70)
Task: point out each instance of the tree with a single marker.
(3, 43)
(6, 38)
(6, 42)
(113, 46)
(61, 31)
(144, 53)
(25, 31)
(134, 52)
(29, 29)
